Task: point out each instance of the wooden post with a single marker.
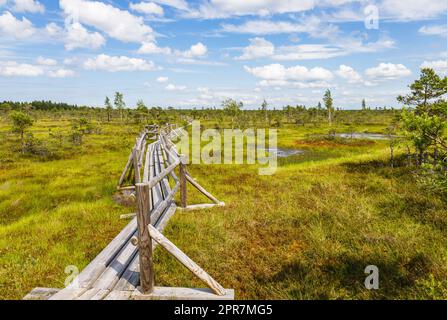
(136, 166)
(183, 182)
(144, 238)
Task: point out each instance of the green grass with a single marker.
(307, 232)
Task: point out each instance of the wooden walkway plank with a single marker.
(169, 293)
(114, 274)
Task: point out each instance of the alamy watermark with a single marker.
(372, 17)
(230, 146)
(372, 280)
(72, 279)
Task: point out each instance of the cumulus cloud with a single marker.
(118, 63)
(177, 4)
(439, 66)
(32, 6)
(196, 50)
(13, 27)
(53, 30)
(412, 9)
(388, 71)
(435, 30)
(152, 48)
(45, 61)
(212, 9)
(79, 37)
(279, 72)
(258, 48)
(265, 27)
(15, 69)
(349, 74)
(172, 87)
(309, 52)
(162, 79)
(116, 23)
(339, 44)
(61, 73)
(147, 8)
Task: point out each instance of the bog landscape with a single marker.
(354, 208)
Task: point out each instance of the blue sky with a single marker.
(198, 53)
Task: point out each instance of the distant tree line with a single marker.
(37, 105)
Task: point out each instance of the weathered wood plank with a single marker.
(68, 294)
(202, 206)
(41, 293)
(144, 240)
(202, 189)
(186, 261)
(118, 295)
(183, 187)
(169, 293)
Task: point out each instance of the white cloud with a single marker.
(294, 84)
(297, 73)
(349, 74)
(53, 30)
(309, 52)
(152, 48)
(212, 9)
(46, 61)
(79, 37)
(388, 71)
(61, 73)
(32, 6)
(19, 29)
(261, 48)
(196, 50)
(265, 27)
(14, 69)
(147, 8)
(436, 30)
(121, 63)
(258, 48)
(412, 9)
(439, 66)
(118, 24)
(178, 4)
(162, 79)
(172, 87)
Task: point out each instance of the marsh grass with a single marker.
(306, 232)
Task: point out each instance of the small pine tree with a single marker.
(109, 108)
(329, 104)
(20, 122)
(119, 103)
(363, 104)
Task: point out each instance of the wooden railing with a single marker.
(147, 211)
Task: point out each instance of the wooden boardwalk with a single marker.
(115, 273)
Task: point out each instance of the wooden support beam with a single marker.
(126, 188)
(183, 188)
(186, 261)
(144, 239)
(202, 189)
(156, 213)
(202, 206)
(126, 168)
(128, 216)
(163, 173)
